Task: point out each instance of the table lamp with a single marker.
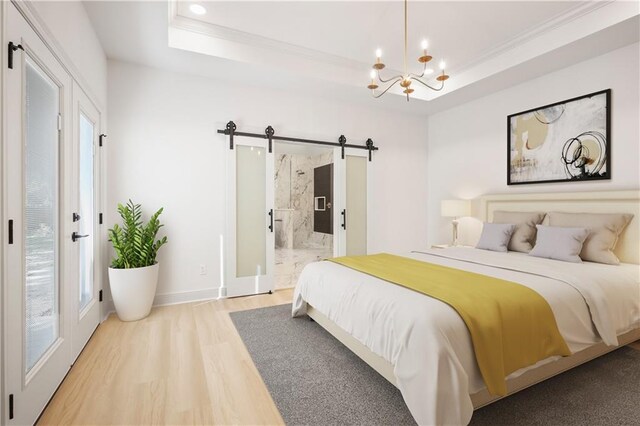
(455, 209)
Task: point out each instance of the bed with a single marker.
(423, 347)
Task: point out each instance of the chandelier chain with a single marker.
(406, 30)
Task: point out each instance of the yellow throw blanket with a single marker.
(511, 326)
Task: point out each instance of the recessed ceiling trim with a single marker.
(225, 33)
(176, 20)
(532, 33)
(232, 44)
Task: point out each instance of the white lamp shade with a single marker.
(455, 208)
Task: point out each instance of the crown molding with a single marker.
(178, 21)
(521, 47)
(532, 33)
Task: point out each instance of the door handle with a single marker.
(344, 219)
(75, 236)
(271, 220)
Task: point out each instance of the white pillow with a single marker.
(604, 231)
(496, 236)
(560, 243)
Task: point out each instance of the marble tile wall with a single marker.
(294, 201)
(282, 181)
(291, 262)
(283, 228)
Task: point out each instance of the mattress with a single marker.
(428, 343)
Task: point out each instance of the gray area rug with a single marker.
(315, 380)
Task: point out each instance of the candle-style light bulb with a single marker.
(425, 44)
(372, 74)
(378, 53)
(442, 64)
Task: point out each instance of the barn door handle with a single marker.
(344, 219)
(271, 220)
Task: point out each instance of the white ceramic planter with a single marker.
(133, 291)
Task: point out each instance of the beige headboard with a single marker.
(628, 247)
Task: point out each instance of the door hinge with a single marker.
(59, 121)
(10, 406)
(100, 218)
(12, 49)
(102, 136)
(100, 296)
(10, 231)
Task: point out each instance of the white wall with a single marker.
(467, 145)
(163, 150)
(71, 29)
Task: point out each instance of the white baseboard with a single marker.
(107, 309)
(185, 297)
(171, 299)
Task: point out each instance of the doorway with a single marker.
(289, 204)
(304, 209)
(52, 172)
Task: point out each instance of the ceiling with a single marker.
(326, 48)
(459, 31)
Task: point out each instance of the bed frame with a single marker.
(627, 249)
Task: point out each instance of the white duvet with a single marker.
(429, 344)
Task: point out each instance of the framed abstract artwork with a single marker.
(568, 141)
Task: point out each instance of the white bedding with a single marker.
(429, 344)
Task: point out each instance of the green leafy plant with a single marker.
(135, 244)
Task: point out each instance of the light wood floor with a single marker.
(184, 364)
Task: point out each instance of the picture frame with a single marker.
(566, 141)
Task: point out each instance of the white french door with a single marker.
(52, 180)
(249, 243)
(38, 92)
(352, 201)
(85, 231)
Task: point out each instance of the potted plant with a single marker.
(133, 274)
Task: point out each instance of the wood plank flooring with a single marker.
(184, 364)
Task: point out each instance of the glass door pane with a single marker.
(87, 215)
(251, 208)
(356, 205)
(41, 218)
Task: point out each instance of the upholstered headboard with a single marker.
(628, 247)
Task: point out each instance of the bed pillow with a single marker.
(525, 233)
(605, 228)
(495, 236)
(560, 243)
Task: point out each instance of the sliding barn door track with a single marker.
(269, 134)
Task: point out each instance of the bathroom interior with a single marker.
(303, 214)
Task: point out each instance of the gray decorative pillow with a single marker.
(604, 230)
(560, 243)
(524, 235)
(495, 236)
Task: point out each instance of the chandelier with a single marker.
(406, 78)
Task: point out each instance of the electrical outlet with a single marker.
(203, 269)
